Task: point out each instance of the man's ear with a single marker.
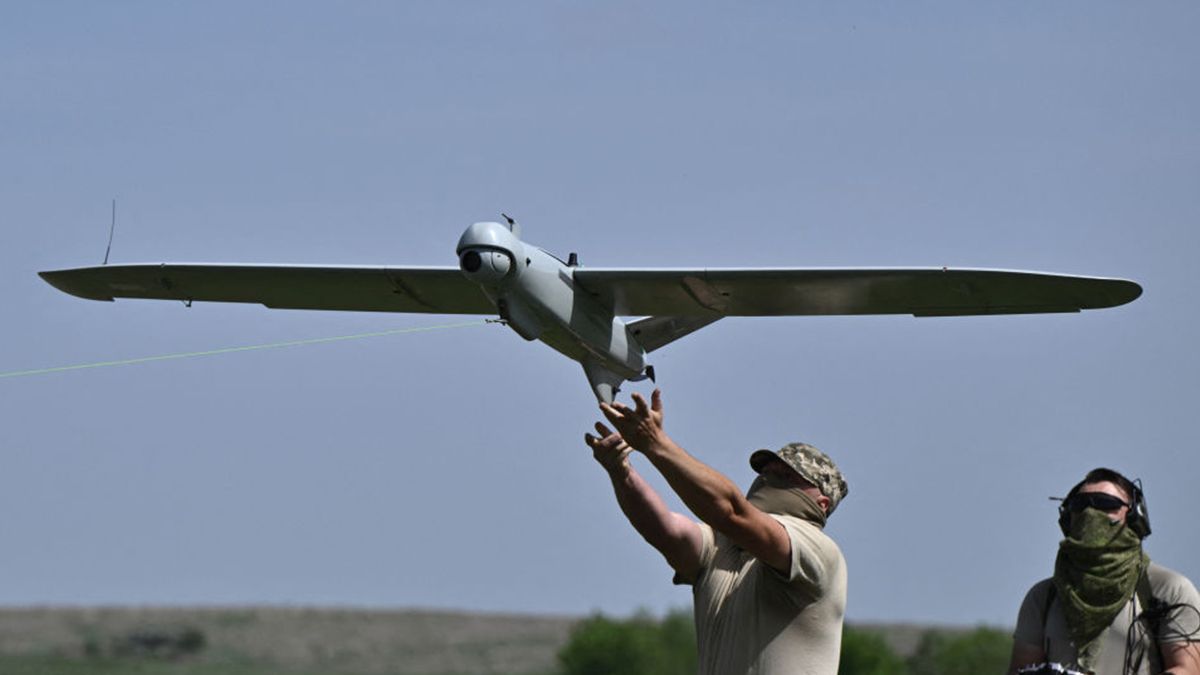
(823, 502)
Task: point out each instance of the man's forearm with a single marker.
(672, 534)
(708, 493)
(711, 496)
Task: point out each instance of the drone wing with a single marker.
(787, 292)
(441, 290)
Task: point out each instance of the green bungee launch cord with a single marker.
(229, 350)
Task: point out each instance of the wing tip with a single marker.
(1119, 292)
(71, 284)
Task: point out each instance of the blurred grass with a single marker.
(59, 665)
(275, 641)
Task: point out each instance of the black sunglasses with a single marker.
(1097, 500)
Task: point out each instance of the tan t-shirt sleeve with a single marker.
(814, 559)
(1031, 619)
(1182, 621)
(708, 548)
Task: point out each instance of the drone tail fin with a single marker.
(605, 383)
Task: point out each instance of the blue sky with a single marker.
(446, 468)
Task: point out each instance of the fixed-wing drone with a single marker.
(578, 311)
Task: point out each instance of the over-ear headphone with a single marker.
(1138, 519)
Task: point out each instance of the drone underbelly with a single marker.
(562, 341)
(617, 354)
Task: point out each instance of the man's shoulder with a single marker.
(808, 528)
(809, 536)
(1167, 584)
(1041, 593)
(1164, 575)
(1042, 586)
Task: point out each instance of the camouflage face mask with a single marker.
(1096, 571)
(788, 501)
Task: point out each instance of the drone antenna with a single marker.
(512, 225)
(111, 228)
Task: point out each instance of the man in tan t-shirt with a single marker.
(1108, 609)
(769, 585)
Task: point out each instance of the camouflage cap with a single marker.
(812, 465)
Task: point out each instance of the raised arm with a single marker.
(710, 495)
(674, 535)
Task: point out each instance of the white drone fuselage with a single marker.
(535, 295)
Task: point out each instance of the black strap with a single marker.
(1151, 617)
(1046, 618)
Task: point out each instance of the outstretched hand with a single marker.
(640, 426)
(609, 448)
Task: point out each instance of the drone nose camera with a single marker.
(483, 265)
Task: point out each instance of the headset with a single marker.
(1138, 519)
